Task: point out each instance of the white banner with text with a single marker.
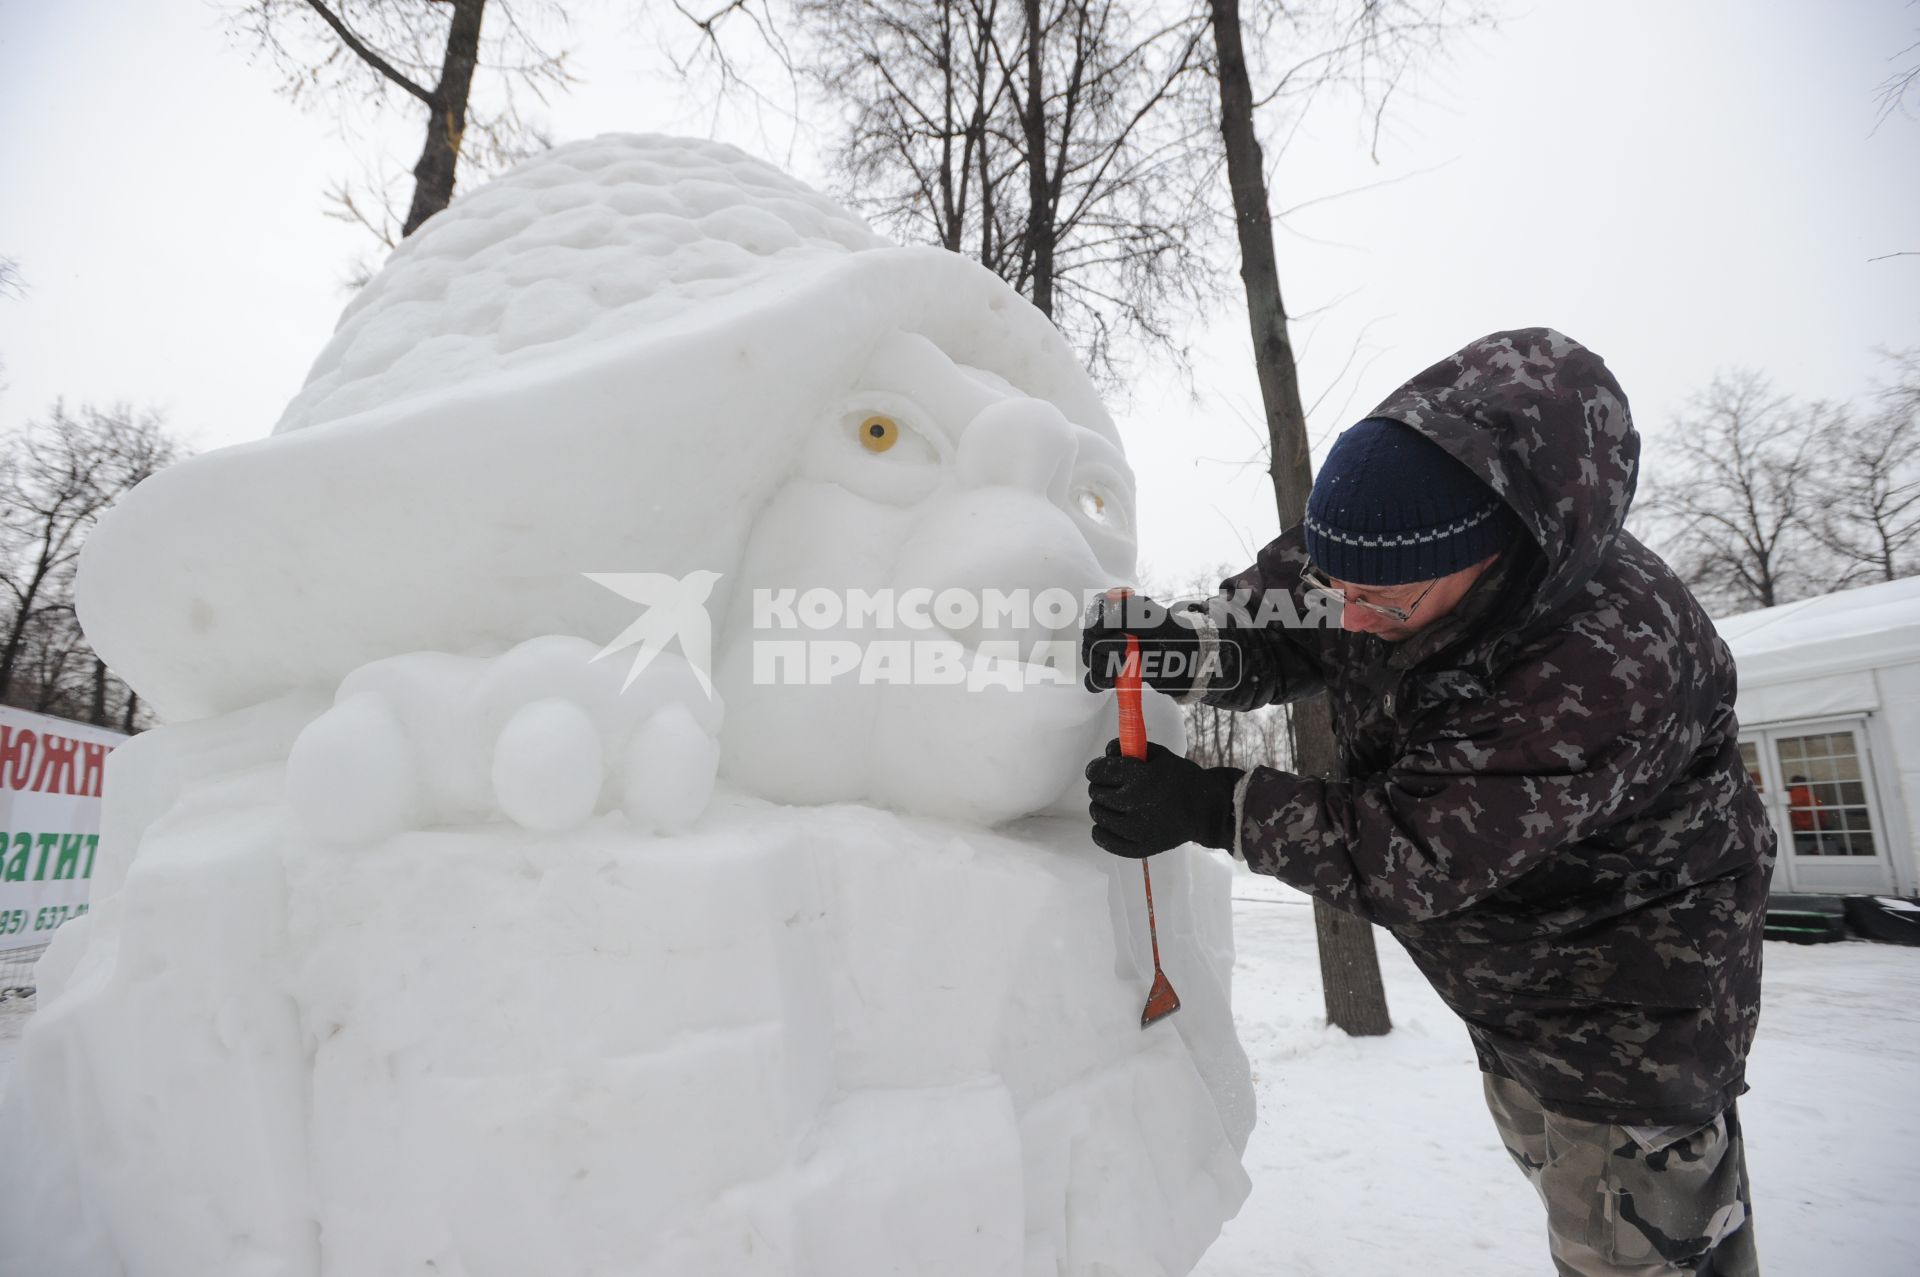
(51, 773)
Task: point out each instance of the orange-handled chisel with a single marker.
(1162, 1001)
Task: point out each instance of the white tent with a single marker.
(1830, 726)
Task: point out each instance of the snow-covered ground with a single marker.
(1374, 1157)
(1378, 1157)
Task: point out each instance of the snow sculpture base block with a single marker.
(790, 1041)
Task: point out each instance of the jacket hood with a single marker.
(1540, 418)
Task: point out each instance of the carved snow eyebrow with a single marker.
(992, 380)
(966, 389)
(924, 355)
(1100, 457)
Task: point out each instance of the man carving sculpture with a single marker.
(1543, 797)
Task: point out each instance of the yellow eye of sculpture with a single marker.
(877, 434)
(1092, 504)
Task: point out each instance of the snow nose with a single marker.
(1019, 443)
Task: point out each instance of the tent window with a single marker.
(1826, 793)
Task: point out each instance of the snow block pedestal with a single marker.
(790, 1041)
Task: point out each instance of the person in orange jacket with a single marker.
(1807, 815)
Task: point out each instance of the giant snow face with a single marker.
(427, 943)
(933, 477)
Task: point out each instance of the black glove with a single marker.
(1143, 806)
(1169, 648)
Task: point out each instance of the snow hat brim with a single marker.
(459, 509)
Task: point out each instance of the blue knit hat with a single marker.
(1391, 506)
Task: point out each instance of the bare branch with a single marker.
(360, 58)
(367, 55)
(56, 477)
(1897, 87)
(1738, 505)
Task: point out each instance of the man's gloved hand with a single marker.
(1143, 806)
(1169, 648)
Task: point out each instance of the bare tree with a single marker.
(56, 478)
(52, 652)
(1866, 486)
(1222, 738)
(1369, 44)
(1049, 139)
(1117, 220)
(344, 52)
(57, 673)
(1735, 505)
(1354, 994)
(925, 99)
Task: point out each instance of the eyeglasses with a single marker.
(1317, 582)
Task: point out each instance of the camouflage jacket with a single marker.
(1544, 799)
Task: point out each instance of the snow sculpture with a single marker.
(423, 945)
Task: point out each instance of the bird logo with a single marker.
(676, 608)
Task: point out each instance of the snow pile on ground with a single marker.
(1376, 1157)
(424, 942)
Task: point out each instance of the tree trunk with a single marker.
(950, 225)
(988, 208)
(433, 176)
(1356, 1000)
(10, 655)
(99, 716)
(1040, 229)
(133, 712)
(1349, 967)
(1350, 972)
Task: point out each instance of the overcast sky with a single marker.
(1684, 185)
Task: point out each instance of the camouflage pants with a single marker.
(1629, 1201)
